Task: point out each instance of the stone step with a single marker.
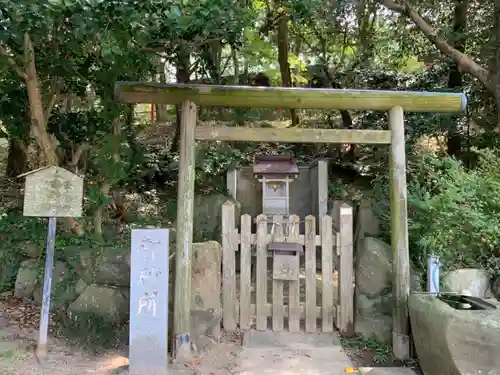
(279, 353)
(386, 371)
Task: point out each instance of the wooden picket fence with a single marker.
(336, 249)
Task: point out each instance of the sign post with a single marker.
(149, 280)
(51, 192)
(47, 287)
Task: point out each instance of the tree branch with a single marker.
(75, 158)
(54, 97)
(196, 43)
(224, 67)
(194, 66)
(464, 62)
(50, 104)
(12, 63)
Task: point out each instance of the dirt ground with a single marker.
(19, 321)
(367, 353)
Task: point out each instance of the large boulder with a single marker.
(105, 266)
(373, 293)
(208, 215)
(368, 223)
(374, 268)
(207, 223)
(472, 281)
(206, 275)
(27, 279)
(107, 303)
(206, 306)
(80, 287)
(31, 250)
(62, 287)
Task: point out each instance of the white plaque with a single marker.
(148, 333)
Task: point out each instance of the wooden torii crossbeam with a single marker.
(394, 102)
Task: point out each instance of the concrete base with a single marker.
(285, 353)
(386, 371)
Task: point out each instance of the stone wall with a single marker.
(84, 281)
(96, 282)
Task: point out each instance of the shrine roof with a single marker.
(275, 165)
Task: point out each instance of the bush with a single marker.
(453, 212)
(15, 231)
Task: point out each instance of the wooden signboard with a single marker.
(52, 192)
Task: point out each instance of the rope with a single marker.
(286, 227)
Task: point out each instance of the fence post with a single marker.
(228, 267)
(346, 271)
(261, 274)
(245, 271)
(327, 270)
(310, 249)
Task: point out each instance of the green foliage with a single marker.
(452, 210)
(92, 331)
(455, 211)
(381, 352)
(15, 231)
(212, 161)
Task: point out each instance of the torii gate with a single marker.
(395, 102)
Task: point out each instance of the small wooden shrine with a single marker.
(275, 172)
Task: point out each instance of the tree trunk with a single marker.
(346, 117)
(98, 213)
(182, 76)
(366, 14)
(239, 112)
(246, 80)
(216, 52)
(283, 45)
(454, 142)
(161, 109)
(17, 158)
(106, 185)
(236, 66)
(465, 63)
(39, 117)
(296, 50)
(496, 64)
